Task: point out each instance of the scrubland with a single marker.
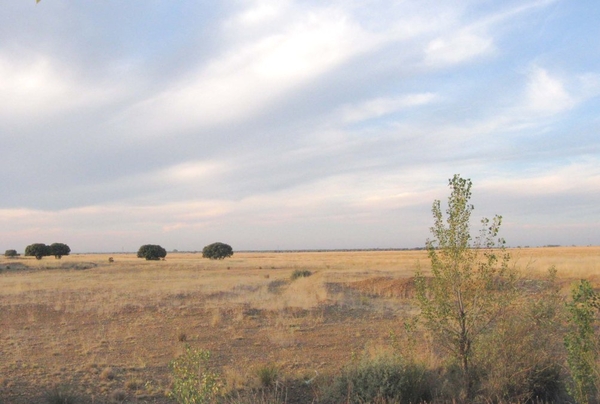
(106, 332)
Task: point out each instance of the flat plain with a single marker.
(107, 331)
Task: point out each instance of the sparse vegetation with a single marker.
(300, 273)
(217, 251)
(128, 315)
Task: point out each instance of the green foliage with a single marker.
(299, 273)
(151, 252)
(11, 253)
(217, 251)
(471, 283)
(59, 249)
(37, 250)
(193, 382)
(581, 343)
(381, 379)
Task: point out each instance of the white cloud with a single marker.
(546, 94)
(38, 87)
(457, 48)
(382, 106)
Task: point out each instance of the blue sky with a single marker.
(295, 124)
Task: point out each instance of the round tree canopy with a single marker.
(151, 252)
(217, 251)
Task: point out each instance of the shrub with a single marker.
(382, 379)
(193, 381)
(267, 375)
(299, 273)
(521, 358)
(11, 253)
(217, 251)
(582, 344)
(151, 252)
(61, 395)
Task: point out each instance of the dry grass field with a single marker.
(107, 331)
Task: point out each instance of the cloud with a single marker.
(37, 87)
(458, 48)
(245, 79)
(546, 94)
(378, 107)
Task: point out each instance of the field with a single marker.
(107, 331)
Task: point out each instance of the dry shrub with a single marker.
(61, 395)
(383, 379)
(267, 375)
(108, 374)
(118, 395)
(521, 359)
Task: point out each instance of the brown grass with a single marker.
(110, 329)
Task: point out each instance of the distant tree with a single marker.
(11, 253)
(59, 249)
(217, 251)
(151, 252)
(37, 250)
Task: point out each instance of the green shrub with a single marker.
(193, 381)
(299, 273)
(382, 379)
(582, 344)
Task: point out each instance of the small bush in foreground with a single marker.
(298, 273)
(382, 379)
(193, 381)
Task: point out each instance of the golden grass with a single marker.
(68, 321)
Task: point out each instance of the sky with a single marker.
(282, 124)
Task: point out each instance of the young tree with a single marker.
(471, 280)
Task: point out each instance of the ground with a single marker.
(107, 331)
